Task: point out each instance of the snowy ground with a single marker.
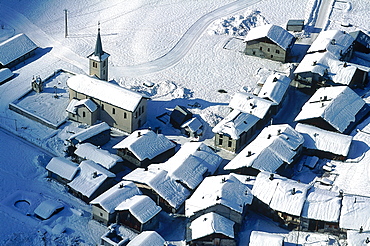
(136, 34)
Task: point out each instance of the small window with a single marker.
(83, 114)
(101, 214)
(229, 143)
(113, 111)
(220, 141)
(102, 107)
(95, 64)
(277, 51)
(125, 115)
(268, 49)
(261, 48)
(142, 109)
(104, 62)
(103, 72)
(272, 56)
(254, 53)
(139, 110)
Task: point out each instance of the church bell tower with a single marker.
(98, 61)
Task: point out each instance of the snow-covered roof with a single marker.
(251, 104)
(75, 103)
(105, 91)
(63, 167)
(90, 178)
(334, 41)
(355, 213)
(166, 187)
(226, 190)
(276, 34)
(15, 47)
(145, 144)
(103, 157)
(274, 146)
(141, 207)
(318, 139)
(193, 124)
(259, 238)
(337, 105)
(211, 223)
(275, 87)
(90, 132)
(117, 194)
(281, 194)
(235, 123)
(190, 164)
(322, 205)
(151, 238)
(5, 73)
(47, 208)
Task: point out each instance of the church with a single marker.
(93, 98)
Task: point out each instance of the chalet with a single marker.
(276, 147)
(103, 207)
(98, 135)
(324, 144)
(62, 170)
(143, 147)
(258, 238)
(91, 181)
(179, 116)
(93, 99)
(324, 69)
(5, 75)
(191, 164)
(280, 198)
(248, 114)
(275, 88)
(151, 238)
(225, 195)
(15, 50)
(355, 213)
(361, 41)
(139, 213)
(211, 229)
(192, 128)
(321, 211)
(336, 109)
(158, 185)
(295, 25)
(88, 151)
(270, 42)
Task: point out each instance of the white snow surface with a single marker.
(249, 103)
(5, 73)
(339, 110)
(223, 189)
(142, 207)
(106, 92)
(15, 47)
(211, 223)
(275, 88)
(63, 167)
(275, 33)
(113, 197)
(355, 213)
(274, 146)
(318, 139)
(145, 144)
(103, 157)
(151, 238)
(264, 238)
(47, 208)
(90, 132)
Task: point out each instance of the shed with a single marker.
(5, 75)
(295, 25)
(47, 208)
(179, 116)
(192, 128)
(62, 170)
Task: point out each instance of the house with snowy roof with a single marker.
(354, 213)
(279, 197)
(336, 109)
(192, 128)
(258, 238)
(15, 50)
(91, 181)
(361, 41)
(323, 143)
(104, 206)
(225, 195)
(62, 170)
(321, 210)
(275, 88)
(179, 116)
(139, 213)
(93, 99)
(143, 147)
(169, 194)
(270, 42)
(88, 151)
(191, 164)
(98, 135)
(276, 147)
(249, 113)
(151, 238)
(211, 229)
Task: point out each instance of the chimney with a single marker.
(278, 132)
(293, 191)
(95, 174)
(121, 186)
(223, 180)
(249, 153)
(340, 193)
(367, 240)
(271, 177)
(275, 79)
(333, 42)
(269, 136)
(345, 64)
(138, 134)
(218, 198)
(314, 63)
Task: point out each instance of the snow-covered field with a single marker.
(176, 44)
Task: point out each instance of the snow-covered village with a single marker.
(181, 122)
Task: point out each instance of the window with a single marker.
(272, 56)
(268, 49)
(83, 114)
(104, 62)
(101, 214)
(103, 72)
(142, 109)
(254, 53)
(95, 64)
(229, 143)
(139, 110)
(125, 115)
(220, 141)
(277, 51)
(261, 48)
(102, 107)
(113, 111)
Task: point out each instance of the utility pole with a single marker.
(65, 25)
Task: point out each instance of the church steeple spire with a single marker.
(98, 46)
